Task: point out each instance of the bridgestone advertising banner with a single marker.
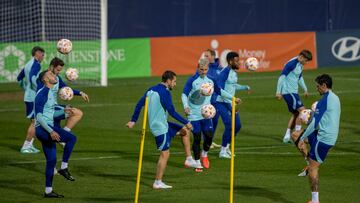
(338, 48)
(126, 58)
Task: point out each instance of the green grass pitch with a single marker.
(104, 161)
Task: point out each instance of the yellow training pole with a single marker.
(232, 150)
(141, 151)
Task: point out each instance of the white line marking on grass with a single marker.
(182, 153)
(72, 159)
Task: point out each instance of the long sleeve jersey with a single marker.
(291, 78)
(326, 119)
(192, 98)
(28, 77)
(44, 109)
(160, 105)
(227, 81)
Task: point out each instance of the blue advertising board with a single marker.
(340, 48)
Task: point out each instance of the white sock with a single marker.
(67, 129)
(204, 153)
(157, 182)
(64, 165)
(48, 190)
(297, 127)
(315, 197)
(27, 144)
(198, 161)
(189, 158)
(32, 141)
(223, 149)
(288, 132)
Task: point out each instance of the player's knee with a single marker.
(78, 113)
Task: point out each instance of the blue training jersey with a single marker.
(227, 80)
(160, 105)
(28, 77)
(193, 99)
(214, 70)
(291, 78)
(44, 109)
(326, 119)
(55, 89)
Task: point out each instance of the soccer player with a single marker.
(160, 105)
(287, 88)
(27, 79)
(227, 81)
(213, 73)
(49, 134)
(73, 115)
(214, 63)
(322, 132)
(192, 101)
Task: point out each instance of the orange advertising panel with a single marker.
(273, 50)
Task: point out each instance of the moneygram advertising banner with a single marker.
(126, 58)
(272, 50)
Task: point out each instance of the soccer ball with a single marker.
(252, 64)
(64, 46)
(71, 74)
(313, 106)
(208, 111)
(66, 93)
(305, 116)
(206, 89)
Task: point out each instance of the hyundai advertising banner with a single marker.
(340, 48)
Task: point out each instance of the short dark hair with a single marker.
(306, 54)
(212, 52)
(41, 75)
(168, 75)
(56, 62)
(231, 55)
(35, 49)
(324, 79)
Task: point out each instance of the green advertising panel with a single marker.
(126, 58)
(129, 58)
(85, 57)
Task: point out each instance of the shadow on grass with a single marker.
(19, 186)
(108, 199)
(260, 192)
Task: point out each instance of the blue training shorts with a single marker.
(293, 102)
(318, 150)
(203, 125)
(29, 110)
(163, 141)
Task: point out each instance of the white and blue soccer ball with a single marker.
(252, 64)
(208, 111)
(72, 74)
(64, 46)
(66, 93)
(206, 89)
(305, 115)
